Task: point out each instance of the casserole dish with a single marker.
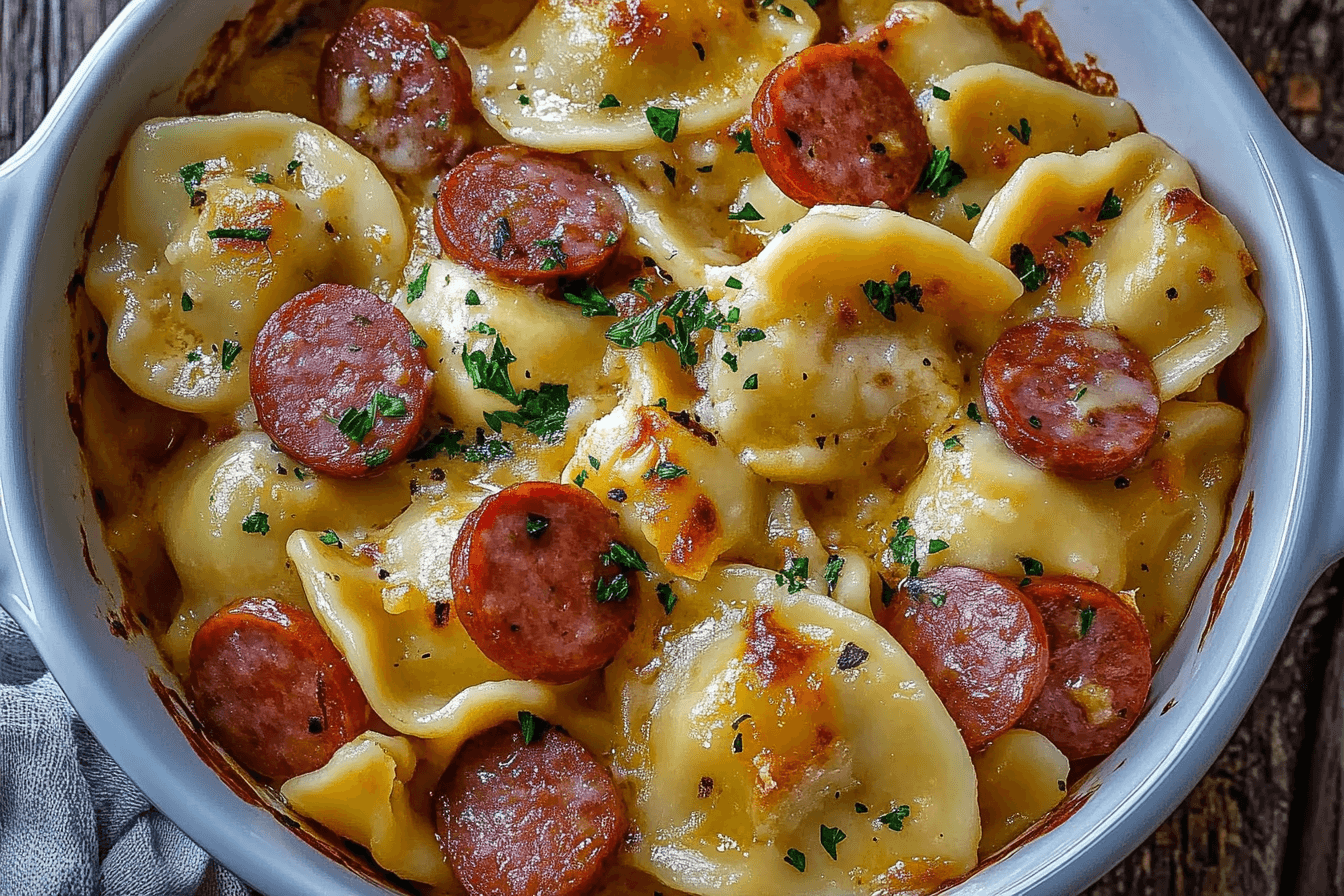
(1286, 509)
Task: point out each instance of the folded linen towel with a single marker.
(71, 822)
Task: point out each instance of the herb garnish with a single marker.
(751, 383)
(937, 546)
(330, 538)
(952, 444)
(972, 210)
(746, 213)
(533, 727)
(625, 557)
(617, 588)
(830, 838)
(440, 50)
(731, 360)
(1076, 235)
(588, 299)
(670, 173)
(902, 544)
(973, 411)
(743, 138)
(794, 575)
(416, 288)
(609, 102)
(536, 524)
(1022, 132)
(187, 303)
(472, 297)
(941, 174)
(229, 354)
(689, 313)
(1025, 267)
(666, 471)
(541, 411)
(733, 283)
(378, 458)
(1086, 617)
(503, 233)
(251, 234)
(257, 523)
(832, 571)
(885, 296)
(663, 122)
(1031, 566)
(895, 819)
(796, 859)
(941, 93)
(1111, 206)
(555, 256)
(191, 176)
(666, 596)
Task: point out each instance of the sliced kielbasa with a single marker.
(981, 643)
(1075, 400)
(835, 125)
(271, 688)
(528, 216)
(1100, 666)
(395, 88)
(338, 381)
(536, 819)
(532, 585)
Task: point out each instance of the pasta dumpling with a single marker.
(848, 358)
(210, 224)
(1158, 262)
(740, 724)
(666, 66)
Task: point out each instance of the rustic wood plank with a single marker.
(1267, 819)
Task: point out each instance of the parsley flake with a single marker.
(733, 283)
(902, 545)
(895, 819)
(378, 458)
(330, 538)
(746, 213)
(751, 383)
(743, 138)
(536, 525)
(750, 334)
(251, 234)
(556, 258)
(1076, 235)
(625, 557)
(796, 859)
(1111, 207)
(851, 657)
(663, 122)
(472, 297)
(952, 444)
(731, 360)
(524, 100)
(191, 176)
(832, 571)
(972, 210)
(229, 354)
(885, 296)
(1086, 617)
(187, 303)
(609, 102)
(688, 311)
(257, 523)
(588, 299)
(417, 341)
(541, 411)
(830, 838)
(737, 743)
(670, 173)
(937, 546)
(440, 50)
(793, 575)
(261, 177)
(1025, 267)
(617, 589)
(941, 174)
(388, 405)
(941, 93)
(1022, 132)
(973, 411)
(1031, 566)
(533, 727)
(666, 471)
(666, 596)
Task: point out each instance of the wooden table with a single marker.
(1267, 818)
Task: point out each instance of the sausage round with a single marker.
(270, 687)
(1100, 666)
(981, 643)
(1076, 400)
(321, 361)
(538, 819)
(528, 216)
(526, 571)
(835, 125)
(395, 88)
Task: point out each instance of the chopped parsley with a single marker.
(541, 411)
(378, 458)
(1079, 395)
(617, 588)
(330, 538)
(860, 808)
(1022, 132)
(1025, 267)
(688, 311)
(625, 557)
(1086, 617)
(292, 166)
(952, 444)
(902, 544)
(895, 819)
(851, 657)
(251, 234)
(261, 177)
(1111, 207)
(750, 334)
(746, 213)
(885, 296)
(416, 288)
(556, 258)
(356, 423)
(440, 50)
(580, 479)
(670, 173)
(666, 596)
(830, 838)
(229, 354)
(731, 360)
(503, 233)
(973, 411)
(888, 594)
(193, 355)
(472, 297)
(524, 100)
(941, 174)
(832, 571)
(1031, 566)
(1034, 421)
(609, 102)
(187, 303)
(940, 93)
(665, 471)
(588, 299)
(417, 341)
(937, 546)
(533, 727)
(536, 525)
(663, 122)
(793, 575)
(737, 743)
(972, 210)
(257, 523)
(1076, 235)
(796, 859)
(743, 139)
(733, 283)
(191, 177)
(751, 383)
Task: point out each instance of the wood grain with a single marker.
(1269, 817)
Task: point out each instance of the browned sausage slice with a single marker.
(538, 819)
(980, 642)
(271, 688)
(398, 90)
(338, 382)
(1076, 400)
(1100, 667)
(532, 587)
(528, 215)
(834, 124)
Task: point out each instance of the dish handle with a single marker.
(1328, 186)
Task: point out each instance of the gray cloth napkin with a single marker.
(71, 822)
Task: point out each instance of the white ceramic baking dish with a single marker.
(1190, 89)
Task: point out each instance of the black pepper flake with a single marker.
(441, 608)
(706, 787)
(851, 656)
(1172, 293)
(198, 199)
(503, 233)
(699, 49)
(329, 228)
(279, 468)
(618, 495)
(878, 148)
(794, 137)
(436, 474)
(1121, 482)
(383, 574)
(314, 725)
